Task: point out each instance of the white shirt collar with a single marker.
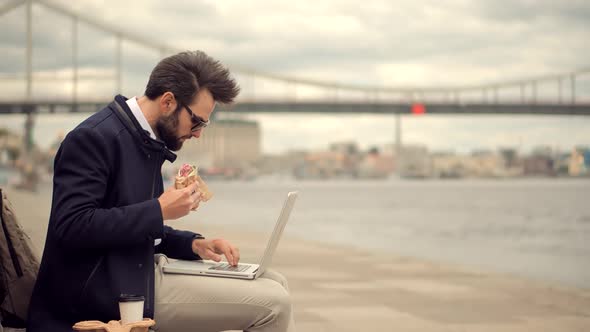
(136, 110)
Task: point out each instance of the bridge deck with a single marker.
(325, 107)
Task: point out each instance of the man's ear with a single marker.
(167, 103)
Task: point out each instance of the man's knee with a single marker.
(279, 304)
(276, 276)
(279, 293)
(283, 301)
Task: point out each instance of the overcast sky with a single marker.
(403, 43)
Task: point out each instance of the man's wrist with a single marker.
(195, 241)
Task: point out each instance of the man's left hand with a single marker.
(213, 249)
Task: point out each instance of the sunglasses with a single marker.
(198, 122)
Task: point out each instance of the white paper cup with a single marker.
(131, 308)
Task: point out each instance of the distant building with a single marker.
(562, 163)
(578, 165)
(281, 164)
(224, 144)
(542, 150)
(585, 152)
(490, 165)
(322, 165)
(414, 162)
(510, 157)
(513, 164)
(375, 165)
(449, 165)
(479, 164)
(539, 165)
(352, 156)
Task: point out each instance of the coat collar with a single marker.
(121, 109)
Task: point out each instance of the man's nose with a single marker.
(197, 134)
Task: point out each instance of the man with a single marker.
(108, 213)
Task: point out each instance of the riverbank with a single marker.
(339, 288)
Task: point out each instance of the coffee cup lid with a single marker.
(131, 298)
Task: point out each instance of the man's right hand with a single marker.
(177, 203)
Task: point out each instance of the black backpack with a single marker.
(18, 268)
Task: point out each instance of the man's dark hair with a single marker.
(186, 73)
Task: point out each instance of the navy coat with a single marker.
(104, 218)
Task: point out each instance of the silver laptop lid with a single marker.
(278, 230)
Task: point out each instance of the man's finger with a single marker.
(236, 254)
(226, 250)
(213, 256)
(195, 205)
(196, 196)
(230, 258)
(193, 187)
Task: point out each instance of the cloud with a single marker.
(570, 12)
(505, 40)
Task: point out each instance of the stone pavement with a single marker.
(342, 289)
(335, 288)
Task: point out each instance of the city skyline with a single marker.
(437, 132)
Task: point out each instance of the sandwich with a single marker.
(189, 174)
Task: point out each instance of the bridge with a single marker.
(521, 96)
(555, 94)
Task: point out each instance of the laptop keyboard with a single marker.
(227, 267)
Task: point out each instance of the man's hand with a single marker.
(177, 203)
(213, 249)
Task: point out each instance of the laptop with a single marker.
(242, 270)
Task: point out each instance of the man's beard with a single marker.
(166, 129)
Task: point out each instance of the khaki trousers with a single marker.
(198, 303)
